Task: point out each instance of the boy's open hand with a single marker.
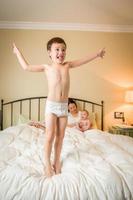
(101, 53)
(15, 49)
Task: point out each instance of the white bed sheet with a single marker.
(96, 165)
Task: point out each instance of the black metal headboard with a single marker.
(30, 99)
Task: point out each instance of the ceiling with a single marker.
(112, 12)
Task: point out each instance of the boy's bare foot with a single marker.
(49, 171)
(57, 167)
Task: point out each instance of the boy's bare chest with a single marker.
(58, 74)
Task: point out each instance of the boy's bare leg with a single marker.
(61, 125)
(51, 120)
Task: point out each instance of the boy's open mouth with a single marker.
(59, 57)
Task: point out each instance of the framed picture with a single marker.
(119, 115)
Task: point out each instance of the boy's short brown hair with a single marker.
(54, 40)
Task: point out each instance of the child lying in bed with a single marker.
(84, 124)
(37, 125)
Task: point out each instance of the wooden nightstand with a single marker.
(122, 130)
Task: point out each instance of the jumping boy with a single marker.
(56, 112)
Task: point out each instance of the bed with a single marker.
(96, 165)
(32, 108)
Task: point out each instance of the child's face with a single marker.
(84, 115)
(57, 53)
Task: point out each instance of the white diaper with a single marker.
(58, 108)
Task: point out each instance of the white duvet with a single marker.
(96, 165)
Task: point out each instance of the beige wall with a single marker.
(103, 79)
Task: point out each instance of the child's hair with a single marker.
(84, 110)
(55, 40)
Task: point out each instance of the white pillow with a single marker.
(22, 120)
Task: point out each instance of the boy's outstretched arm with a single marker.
(24, 64)
(87, 59)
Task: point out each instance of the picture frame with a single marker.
(119, 115)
